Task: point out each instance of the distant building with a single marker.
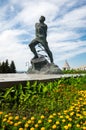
(66, 66)
(82, 67)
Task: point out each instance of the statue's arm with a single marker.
(46, 30)
(36, 29)
(36, 25)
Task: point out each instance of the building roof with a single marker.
(66, 64)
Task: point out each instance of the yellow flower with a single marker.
(25, 129)
(26, 125)
(54, 114)
(81, 117)
(84, 103)
(24, 118)
(21, 129)
(78, 102)
(32, 128)
(61, 116)
(78, 114)
(29, 121)
(6, 115)
(71, 109)
(36, 125)
(69, 125)
(49, 120)
(1, 112)
(11, 122)
(32, 118)
(72, 113)
(43, 128)
(51, 116)
(81, 122)
(63, 120)
(54, 127)
(10, 114)
(70, 119)
(78, 125)
(16, 117)
(32, 122)
(67, 116)
(84, 113)
(10, 118)
(84, 127)
(8, 121)
(16, 124)
(83, 109)
(85, 123)
(5, 119)
(42, 117)
(78, 110)
(66, 127)
(39, 121)
(57, 122)
(65, 111)
(19, 122)
(80, 99)
(3, 126)
(75, 104)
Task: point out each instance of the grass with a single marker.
(74, 71)
(59, 105)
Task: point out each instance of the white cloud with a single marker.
(71, 54)
(32, 11)
(67, 50)
(11, 48)
(74, 18)
(62, 36)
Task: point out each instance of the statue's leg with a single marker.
(48, 52)
(32, 47)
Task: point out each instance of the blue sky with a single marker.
(66, 20)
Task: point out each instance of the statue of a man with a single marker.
(41, 35)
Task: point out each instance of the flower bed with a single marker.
(59, 105)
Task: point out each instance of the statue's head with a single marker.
(42, 19)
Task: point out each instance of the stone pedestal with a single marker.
(41, 65)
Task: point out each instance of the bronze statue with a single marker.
(41, 35)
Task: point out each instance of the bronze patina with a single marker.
(41, 36)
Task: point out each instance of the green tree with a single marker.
(12, 67)
(7, 67)
(3, 67)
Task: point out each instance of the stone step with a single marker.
(8, 80)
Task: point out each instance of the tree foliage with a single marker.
(12, 67)
(5, 67)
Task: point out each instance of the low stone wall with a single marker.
(9, 80)
(4, 85)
